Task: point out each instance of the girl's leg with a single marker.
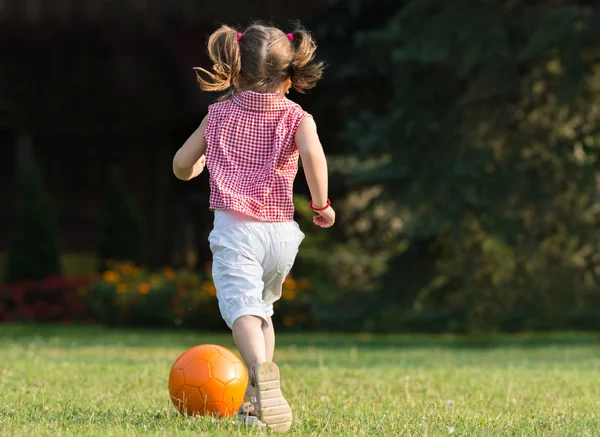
(270, 340)
(248, 334)
(250, 340)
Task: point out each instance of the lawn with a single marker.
(92, 381)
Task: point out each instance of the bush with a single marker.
(53, 299)
(33, 253)
(585, 319)
(121, 227)
(294, 310)
(129, 295)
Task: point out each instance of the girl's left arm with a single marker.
(189, 161)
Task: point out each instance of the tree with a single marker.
(121, 227)
(483, 115)
(34, 252)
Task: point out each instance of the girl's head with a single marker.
(261, 59)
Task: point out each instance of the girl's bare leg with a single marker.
(269, 340)
(250, 340)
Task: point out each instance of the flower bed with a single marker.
(127, 295)
(54, 299)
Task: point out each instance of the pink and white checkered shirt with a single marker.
(252, 156)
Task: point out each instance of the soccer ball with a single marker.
(208, 380)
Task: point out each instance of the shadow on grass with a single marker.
(66, 336)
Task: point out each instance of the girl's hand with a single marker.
(325, 219)
(199, 166)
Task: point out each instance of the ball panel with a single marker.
(226, 353)
(213, 390)
(241, 372)
(233, 394)
(197, 372)
(185, 392)
(218, 409)
(223, 370)
(180, 399)
(207, 352)
(195, 404)
(176, 381)
(184, 359)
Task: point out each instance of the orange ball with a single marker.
(208, 380)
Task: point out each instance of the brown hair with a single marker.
(261, 60)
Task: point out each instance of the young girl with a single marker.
(251, 141)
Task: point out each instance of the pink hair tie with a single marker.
(290, 36)
(239, 36)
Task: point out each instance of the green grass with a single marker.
(58, 381)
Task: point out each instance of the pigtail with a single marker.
(305, 73)
(224, 51)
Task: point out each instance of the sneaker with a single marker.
(271, 407)
(248, 412)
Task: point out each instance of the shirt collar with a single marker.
(261, 102)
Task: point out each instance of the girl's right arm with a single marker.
(315, 170)
(189, 161)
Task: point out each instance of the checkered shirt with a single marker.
(251, 156)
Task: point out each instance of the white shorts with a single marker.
(251, 259)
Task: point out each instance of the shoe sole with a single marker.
(275, 411)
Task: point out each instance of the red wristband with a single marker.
(312, 206)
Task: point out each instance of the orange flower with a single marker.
(144, 288)
(289, 294)
(290, 283)
(121, 288)
(110, 276)
(209, 289)
(169, 273)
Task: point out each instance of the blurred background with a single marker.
(462, 137)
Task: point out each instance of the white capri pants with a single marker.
(251, 259)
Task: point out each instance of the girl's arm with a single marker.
(315, 169)
(189, 160)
